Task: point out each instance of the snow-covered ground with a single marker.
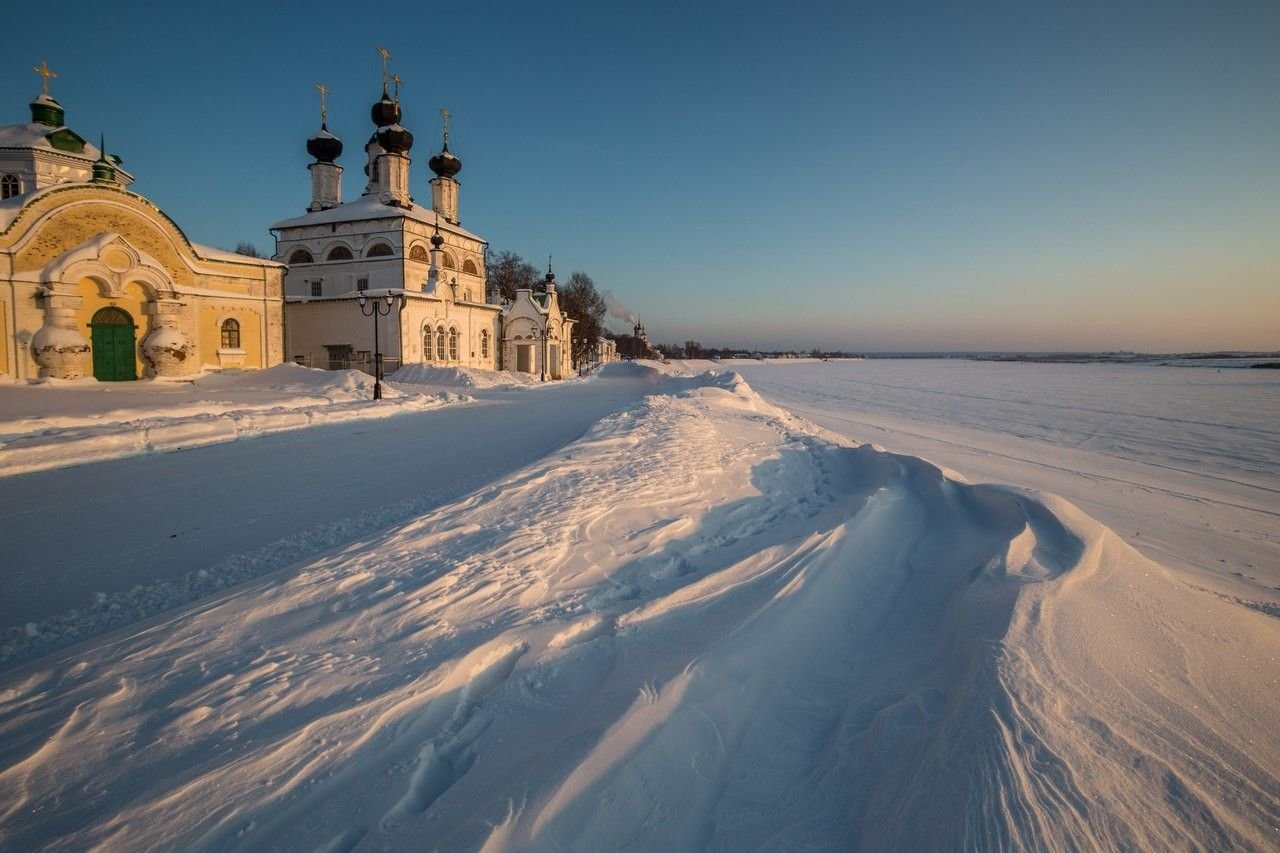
(695, 622)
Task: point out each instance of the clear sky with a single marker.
(889, 176)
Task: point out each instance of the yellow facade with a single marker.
(71, 251)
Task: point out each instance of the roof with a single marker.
(371, 207)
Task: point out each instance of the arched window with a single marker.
(440, 351)
(339, 253)
(379, 250)
(9, 186)
(426, 343)
(470, 266)
(301, 256)
(230, 334)
(417, 253)
(453, 344)
(446, 261)
(484, 343)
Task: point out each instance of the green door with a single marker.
(113, 346)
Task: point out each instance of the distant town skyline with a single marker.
(846, 177)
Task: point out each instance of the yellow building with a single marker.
(97, 281)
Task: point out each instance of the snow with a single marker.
(674, 616)
(370, 207)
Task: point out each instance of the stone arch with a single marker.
(469, 266)
(379, 249)
(300, 255)
(447, 261)
(338, 252)
(418, 252)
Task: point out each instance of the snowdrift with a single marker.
(160, 417)
(460, 377)
(706, 624)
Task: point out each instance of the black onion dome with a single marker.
(445, 164)
(395, 139)
(385, 112)
(324, 146)
(436, 239)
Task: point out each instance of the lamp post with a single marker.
(376, 308)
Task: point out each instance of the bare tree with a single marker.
(248, 250)
(581, 301)
(508, 272)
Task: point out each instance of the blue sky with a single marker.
(875, 177)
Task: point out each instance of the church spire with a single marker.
(326, 175)
(104, 171)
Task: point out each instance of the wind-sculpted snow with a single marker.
(704, 625)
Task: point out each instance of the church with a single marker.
(98, 282)
(382, 250)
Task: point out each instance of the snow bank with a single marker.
(87, 427)
(705, 624)
(460, 377)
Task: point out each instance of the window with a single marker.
(440, 343)
(426, 344)
(470, 266)
(230, 334)
(379, 250)
(317, 288)
(362, 283)
(301, 256)
(453, 344)
(339, 253)
(417, 253)
(484, 343)
(9, 186)
(446, 261)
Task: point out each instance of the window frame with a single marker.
(229, 330)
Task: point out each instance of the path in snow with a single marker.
(724, 629)
(238, 510)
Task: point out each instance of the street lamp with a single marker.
(376, 308)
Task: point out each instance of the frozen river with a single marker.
(1184, 463)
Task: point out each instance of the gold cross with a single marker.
(444, 111)
(43, 70)
(323, 90)
(386, 55)
(396, 79)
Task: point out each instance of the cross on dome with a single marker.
(43, 70)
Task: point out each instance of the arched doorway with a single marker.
(114, 345)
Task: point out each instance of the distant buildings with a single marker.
(97, 281)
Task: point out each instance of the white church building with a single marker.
(383, 242)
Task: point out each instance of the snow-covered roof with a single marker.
(34, 135)
(371, 207)
(211, 254)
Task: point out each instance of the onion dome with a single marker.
(385, 112)
(324, 146)
(445, 164)
(45, 110)
(436, 239)
(395, 139)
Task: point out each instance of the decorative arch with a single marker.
(441, 352)
(111, 262)
(339, 252)
(447, 261)
(484, 343)
(469, 266)
(418, 253)
(301, 256)
(428, 347)
(379, 249)
(453, 343)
